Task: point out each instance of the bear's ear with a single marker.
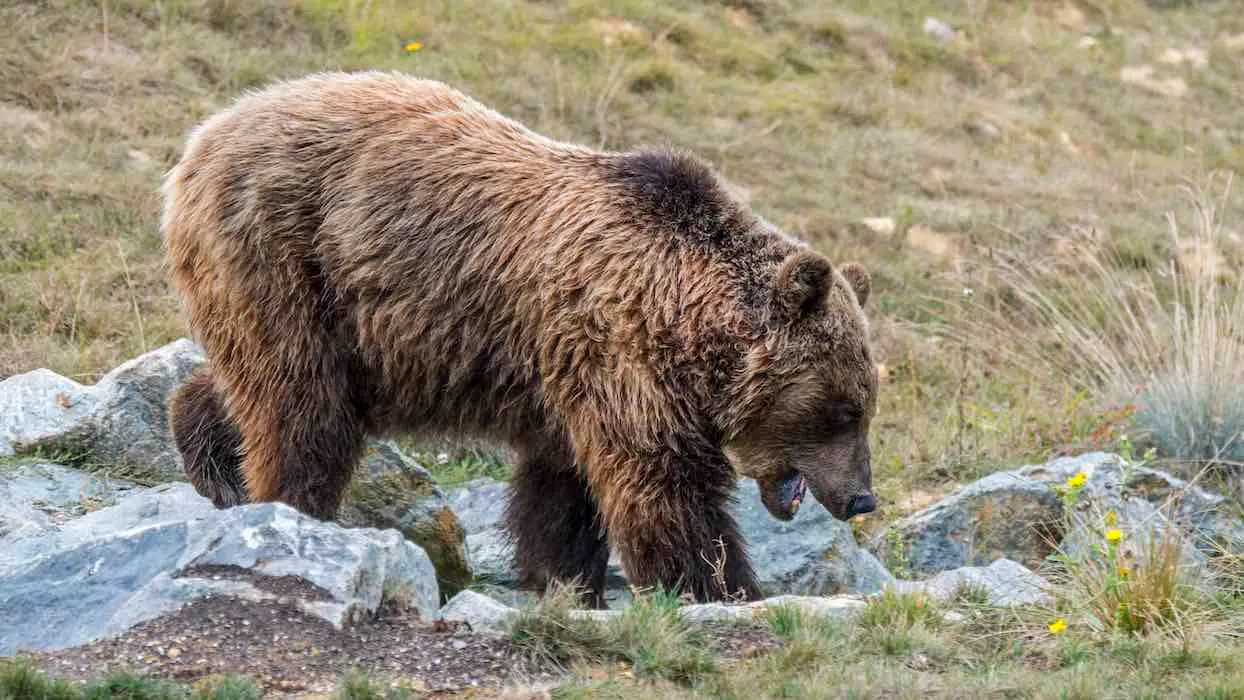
(856, 276)
(802, 284)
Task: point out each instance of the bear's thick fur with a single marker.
(369, 253)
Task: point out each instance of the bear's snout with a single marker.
(860, 504)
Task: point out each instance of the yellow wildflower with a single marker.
(413, 46)
(1078, 480)
(1112, 518)
(1114, 534)
(1124, 572)
(1058, 626)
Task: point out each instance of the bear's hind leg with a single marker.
(302, 427)
(209, 441)
(559, 536)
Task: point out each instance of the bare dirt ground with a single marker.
(289, 653)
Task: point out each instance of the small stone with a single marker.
(173, 652)
(918, 661)
(1088, 42)
(458, 644)
(479, 611)
(1064, 139)
(982, 128)
(880, 225)
(938, 29)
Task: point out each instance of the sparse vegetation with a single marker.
(1056, 256)
(1164, 339)
(19, 681)
(650, 636)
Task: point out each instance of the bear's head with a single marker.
(808, 391)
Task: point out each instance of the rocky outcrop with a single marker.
(813, 554)
(154, 551)
(1021, 515)
(120, 426)
(120, 423)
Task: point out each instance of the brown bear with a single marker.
(370, 253)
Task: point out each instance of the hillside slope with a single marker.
(1035, 123)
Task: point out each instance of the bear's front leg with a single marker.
(668, 517)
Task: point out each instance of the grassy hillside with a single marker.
(1040, 126)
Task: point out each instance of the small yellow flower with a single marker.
(1058, 626)
(1114, 535)
(1112, 518)
(1078, 480)
(1124, 572)
(413, 46)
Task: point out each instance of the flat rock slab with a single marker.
(36, 496)
(154, 552)
(1004, 583)
(828, 606)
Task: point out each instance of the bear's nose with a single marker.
(860, 504)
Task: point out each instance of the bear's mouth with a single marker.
(782, 497)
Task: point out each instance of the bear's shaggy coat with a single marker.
(368, 253)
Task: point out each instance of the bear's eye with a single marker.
(843, 416)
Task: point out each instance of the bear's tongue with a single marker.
(792, 490)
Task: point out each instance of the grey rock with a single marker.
(479, 611)
(163, 504)
(392, 491)
(824, 606)
(153, 552)
(813, 554)
(938, 29)
(1004, 583)
(36, 496)
(1004, 515)
(820, 606)
(1207, 519)
(1019, 515)
(480, 507)
(130, 425)
(121, 421)
(38, 406)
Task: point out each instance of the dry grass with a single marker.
(1166, 339)
(649, 638)
(1002, 142)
